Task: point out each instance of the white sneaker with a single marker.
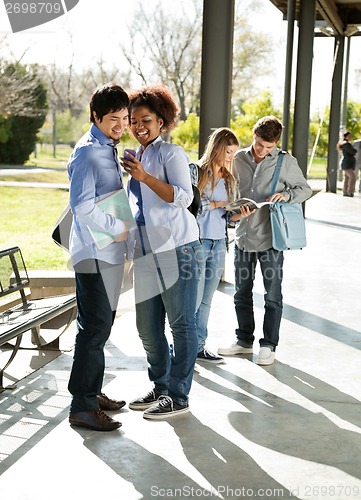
(265, 356)
(234, 349)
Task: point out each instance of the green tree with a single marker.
(249, 112)
(353, 118)
(26, 115)
(319, 126)
(186, 133)
(70, 128)
(250, 50)
(5, 127)
(170, 41)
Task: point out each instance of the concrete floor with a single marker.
(291, 430)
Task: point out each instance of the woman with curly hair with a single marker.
(212, 174)
(166, 262)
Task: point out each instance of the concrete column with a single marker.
(343, 125)
(335, 116)
(216, 75)
(303, 83)
(291, 12)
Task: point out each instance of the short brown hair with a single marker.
(269, 128)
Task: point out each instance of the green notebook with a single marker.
(116, 204)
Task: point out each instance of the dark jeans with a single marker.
(271, 263)
(97, 291)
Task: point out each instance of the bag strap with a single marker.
(196, 169)
(277, 172)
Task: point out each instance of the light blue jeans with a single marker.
(213, 261)
(171, 373)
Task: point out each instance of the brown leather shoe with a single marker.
(96, 420)
(108, 404)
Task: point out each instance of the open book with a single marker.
(115, 204)
(245, 202)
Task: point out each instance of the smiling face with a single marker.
(113, 124)
(145, 125)
(261, 148)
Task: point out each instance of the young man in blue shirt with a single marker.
(94, 172)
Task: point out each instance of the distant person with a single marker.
(166, 258)
(348, 163)
(94, 171)
(357, 145)
(253, 169)
(212, 174)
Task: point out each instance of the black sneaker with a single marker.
(209, 357)
(165, 408)
(146, 401)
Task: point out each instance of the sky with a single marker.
(93, 28)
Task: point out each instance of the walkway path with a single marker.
(291, 430)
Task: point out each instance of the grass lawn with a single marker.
(27, 219)
(28, 215)
(318, 169)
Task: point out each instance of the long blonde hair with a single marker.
(214, 154)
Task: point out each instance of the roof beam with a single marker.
(328, 10)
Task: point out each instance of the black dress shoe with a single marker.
(96, 420)
(108, 404)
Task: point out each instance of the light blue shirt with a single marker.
(212, 223)
(167, 225)
(94, 171)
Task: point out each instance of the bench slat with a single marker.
(39, 311)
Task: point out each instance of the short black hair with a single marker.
(107, 98)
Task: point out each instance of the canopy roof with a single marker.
(333, 17)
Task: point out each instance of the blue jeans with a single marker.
(271, 263)
(213, 259)
(171, 373)
(98, 287)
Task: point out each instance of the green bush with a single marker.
(187, 133)
(25, 122)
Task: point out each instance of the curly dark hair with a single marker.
(159, 100)
(269, 128)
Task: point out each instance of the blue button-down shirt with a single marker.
(167, 225)
(94, 171)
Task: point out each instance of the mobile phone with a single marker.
(126, 151)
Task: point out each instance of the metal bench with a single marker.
(20, 312)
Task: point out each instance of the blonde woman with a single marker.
(212, 174)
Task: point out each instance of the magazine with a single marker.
(115, 204)
(246, 202)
